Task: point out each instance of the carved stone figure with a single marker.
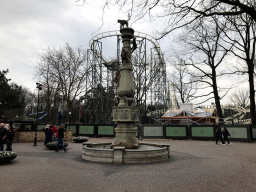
(122, 23)
(124, 54)
(134, 44)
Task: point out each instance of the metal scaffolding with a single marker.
(149, 71)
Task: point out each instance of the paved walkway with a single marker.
(194, 166)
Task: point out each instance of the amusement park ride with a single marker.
(149, 72)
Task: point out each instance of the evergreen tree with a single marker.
(10, 95)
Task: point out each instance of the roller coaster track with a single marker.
(117, 33)
(238, 117)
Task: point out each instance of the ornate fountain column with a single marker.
(126, 114)
(125, 148)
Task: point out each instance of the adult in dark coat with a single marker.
(9, 137)
(2, 136)
(60, 139)
(218, 135)
(225, 134)
(48, 137)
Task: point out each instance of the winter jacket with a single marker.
(9, 135)
(226, 133)
(61, 133)
(2, 132)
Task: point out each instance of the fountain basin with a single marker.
(145, 153)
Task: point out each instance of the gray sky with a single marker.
(28, 27)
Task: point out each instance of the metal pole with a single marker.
(69, 113)
(145, 85)
(35, 139)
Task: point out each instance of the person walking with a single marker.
(2, 136)
(225, 134)
(60, 139)
(9, 138)
(218, 135)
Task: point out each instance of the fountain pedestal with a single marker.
(125, 117)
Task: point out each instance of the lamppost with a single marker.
(69, 118)
(81, 101)
(39, 87)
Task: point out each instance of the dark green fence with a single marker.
(72, 127)
(41, 127)
(176, 132)
(152, 131)
(239, 132)
(206, 132)
(105, 130)
(92, 130)
(253, 132)
(245, 133)
(86, 130)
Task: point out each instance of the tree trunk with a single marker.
(252, 93)
(216, 94)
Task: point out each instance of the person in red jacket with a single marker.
(55, 133)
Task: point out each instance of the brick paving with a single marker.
(194, 166)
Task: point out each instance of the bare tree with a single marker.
(205, 40)
(243, 36)
(181, 13)
(240, 97)
(63, 74)
(182, 80)
(188, 12)
(30, 101)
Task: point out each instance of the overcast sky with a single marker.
(28, 27)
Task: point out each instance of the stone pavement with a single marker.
(194, 166)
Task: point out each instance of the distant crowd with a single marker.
(52, 133)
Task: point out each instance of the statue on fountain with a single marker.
(125, 114)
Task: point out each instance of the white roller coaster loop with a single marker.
(117, 33)
(238, 117)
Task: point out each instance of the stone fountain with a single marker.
(125, 148)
